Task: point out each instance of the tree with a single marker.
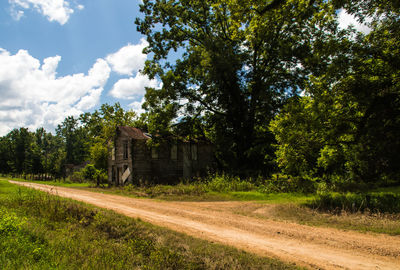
(352, 114)
(101, 126)
(75, 140)
(240, 61)
(5, 154)
(21, 150)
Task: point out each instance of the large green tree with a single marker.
(21, 150)
(75, 139)
(239, 61)
(101, 126)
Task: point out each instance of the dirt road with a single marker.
(316, 248)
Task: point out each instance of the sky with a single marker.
(64, 57)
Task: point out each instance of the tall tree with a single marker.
(5, 154)
(21, 150)
(75, 140)
(240, 61)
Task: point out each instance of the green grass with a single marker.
(42, 231)
(52, 183)
(185, 192)
(275, 198)
(171, 193)
(362, 222)
(335, 210)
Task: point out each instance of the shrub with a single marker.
(225, 183)
(77, 177)
(92, 174)
(179, 189)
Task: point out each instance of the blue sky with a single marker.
(65, 57)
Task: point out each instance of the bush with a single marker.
(89, 172)
(179, 189)
(363, 202)
(225, 183)
(77, 177)
(92, 174)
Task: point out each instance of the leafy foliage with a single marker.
(239, 63)
(345, 130)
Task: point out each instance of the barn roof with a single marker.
(134, 133)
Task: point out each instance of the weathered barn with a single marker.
(131, 160)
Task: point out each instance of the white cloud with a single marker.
(17, 14)
(33, 95)
(54, 10)
(136, 106)
(128, 59)
(132, 87)
(345, 20)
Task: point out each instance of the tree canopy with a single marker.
(240, 61)
(346, 130)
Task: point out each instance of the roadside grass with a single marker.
(373, 211)
(60, 183)
(218, 190)
(344, 220)
(42, 231)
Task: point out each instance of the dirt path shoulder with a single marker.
(317, 248)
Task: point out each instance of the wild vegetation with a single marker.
(41, 231)
(292, 103)
(276, 86)
(376, 210)
(303, 114)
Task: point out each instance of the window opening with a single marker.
(125, 149)
(194, 151)
(174, 151)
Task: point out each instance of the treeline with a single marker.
(277, 86)
(43, 155)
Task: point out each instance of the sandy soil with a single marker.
(312, 247)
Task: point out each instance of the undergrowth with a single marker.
(357, 202)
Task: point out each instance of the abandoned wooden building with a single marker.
(131, 160)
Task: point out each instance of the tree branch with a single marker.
(275, 4)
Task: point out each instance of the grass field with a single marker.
(41, 231)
